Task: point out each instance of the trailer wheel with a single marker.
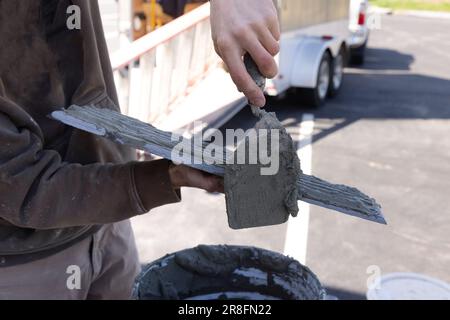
(337, 75)
(316, 97)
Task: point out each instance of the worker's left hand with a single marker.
(183, 176)
(241, 26)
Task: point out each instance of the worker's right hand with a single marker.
(183, 176)
(241, 26)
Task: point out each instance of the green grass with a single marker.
(436, 5)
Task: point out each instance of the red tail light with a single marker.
(362, 19)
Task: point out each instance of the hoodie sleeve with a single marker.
(39, 191)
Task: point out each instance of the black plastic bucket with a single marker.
(227, 272)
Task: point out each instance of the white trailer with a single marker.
(313, 49)
(172, 76)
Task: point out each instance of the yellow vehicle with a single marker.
(149, 15)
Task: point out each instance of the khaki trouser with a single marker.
(102, 266)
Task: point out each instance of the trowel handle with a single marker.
(254, 72)
(259, 79)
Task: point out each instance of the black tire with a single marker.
(316, 97)
(358, 55)
(358, 59)
(337, 76)
(227, 272)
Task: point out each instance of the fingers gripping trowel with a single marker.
(255, 198)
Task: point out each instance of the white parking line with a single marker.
(296, 241)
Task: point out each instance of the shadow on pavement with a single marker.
(385, 59)
(344, 294)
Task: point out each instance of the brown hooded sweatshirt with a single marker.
(58, 184)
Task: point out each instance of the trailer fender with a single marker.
(309, 52)
(285, 59)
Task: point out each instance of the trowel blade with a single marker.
(378, 218)
(143, 136)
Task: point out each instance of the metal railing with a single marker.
(157, 70)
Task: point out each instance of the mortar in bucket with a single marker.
(227, 272)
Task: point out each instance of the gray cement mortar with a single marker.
(256, 200)
(253, 199)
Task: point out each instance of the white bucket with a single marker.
(409, 286)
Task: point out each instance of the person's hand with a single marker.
(183, 176)
(241, 26)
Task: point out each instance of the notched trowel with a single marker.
(247, 202)
(257, 195)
